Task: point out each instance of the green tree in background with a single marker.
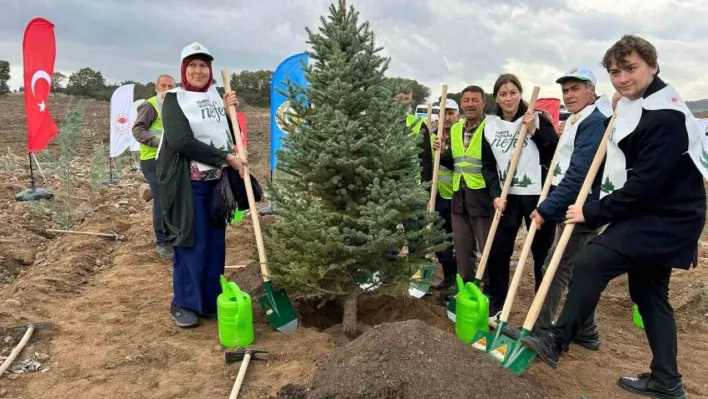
(253, 87)
(86, 83)
(4, 77)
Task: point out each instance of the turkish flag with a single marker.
(39, 52)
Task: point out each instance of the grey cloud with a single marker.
(435, 41)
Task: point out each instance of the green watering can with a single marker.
(233, 310)
(638, 322)
(472, 311)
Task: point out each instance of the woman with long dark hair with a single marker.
(501, 135)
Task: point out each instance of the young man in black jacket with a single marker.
(654, 202)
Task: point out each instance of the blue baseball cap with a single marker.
(578, 73)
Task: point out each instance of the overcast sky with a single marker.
(458, 42)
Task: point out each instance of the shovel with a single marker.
(517, 356)
(420, 282)
(497, 215)
(275, 304)
(497, 342)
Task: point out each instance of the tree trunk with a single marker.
(349, 321)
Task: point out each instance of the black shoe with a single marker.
(444, 284)
(588, 341)
(511, 332)
(647, 385)
(547, 347)
(183, 317)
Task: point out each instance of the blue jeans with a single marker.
(196, 269)
(149, 169)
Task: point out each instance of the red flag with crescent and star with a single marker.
(39, 52)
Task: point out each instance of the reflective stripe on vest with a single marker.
(147, 152)
(468, 161)
(445, 176)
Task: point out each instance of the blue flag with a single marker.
(290, 68)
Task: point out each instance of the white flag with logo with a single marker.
(135, 146)
(121, 127)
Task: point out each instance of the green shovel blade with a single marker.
(486, 340)
(278, 308)
(420, 282)
(516, 356)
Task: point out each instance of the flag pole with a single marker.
(111, 180)
(29, 155)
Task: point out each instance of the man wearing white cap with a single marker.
(443, 202)
(577, 146)
(147, 130)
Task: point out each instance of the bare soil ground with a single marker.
(114, 338)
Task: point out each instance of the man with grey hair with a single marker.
(577, 146)
(147, 130)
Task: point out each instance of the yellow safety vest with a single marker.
(468, 162)
(445, 176)
(414, 123)
(147, 152)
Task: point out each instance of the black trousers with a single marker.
(446, 257)
(595, 267)
(518, 209)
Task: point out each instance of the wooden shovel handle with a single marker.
(25, 338)
(568, 230)
(505, 190)
(436, 164)
(511, 294)
(247, 180)
(240, 376)
(429, 117)
(85, 233)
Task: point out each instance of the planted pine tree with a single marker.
(346, 187)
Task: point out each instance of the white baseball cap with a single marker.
(449, 104)
(196, 48)
(578, 73)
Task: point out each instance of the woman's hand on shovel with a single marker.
(235, 162)
(574, 215)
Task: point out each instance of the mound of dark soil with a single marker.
(407, 360)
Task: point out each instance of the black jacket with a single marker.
(658, 215)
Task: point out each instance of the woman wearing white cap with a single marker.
(497, 150)
(194, 157)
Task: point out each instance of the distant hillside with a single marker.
(698, 106)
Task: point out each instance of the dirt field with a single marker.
(114, 338)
